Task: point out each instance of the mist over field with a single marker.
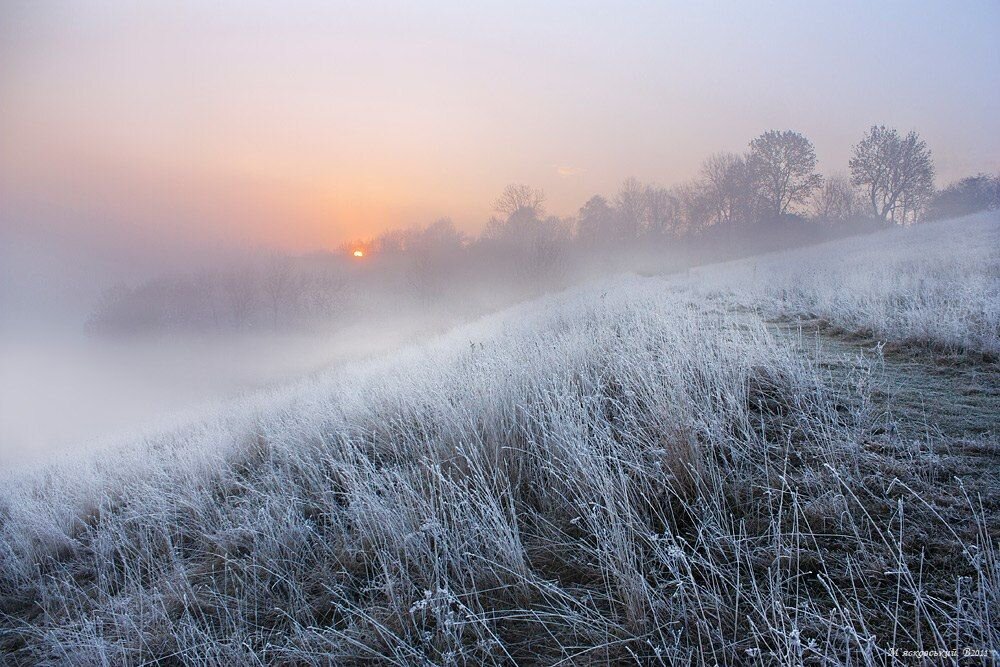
(506, 334)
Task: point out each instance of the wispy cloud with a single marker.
(568, 171)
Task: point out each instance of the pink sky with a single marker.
(303, 125)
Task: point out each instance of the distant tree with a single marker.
(630, 209)
(325, 295)
(783, 164)
(595, 221)
(392, 242)
(494, 230)
(662, 211)
(964, 197)
(516, 198)
(728, 187)
(545, 251)
(524, 241)
(434, 251)
(837, 200)
(696, 211)
(895, 173)
(443, 236)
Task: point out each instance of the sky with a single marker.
(145, 132)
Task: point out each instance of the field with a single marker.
(788, 459)
(929, 286)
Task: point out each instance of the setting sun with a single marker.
(359, 253)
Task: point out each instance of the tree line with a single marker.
(769, 197)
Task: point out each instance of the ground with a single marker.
(640, 470)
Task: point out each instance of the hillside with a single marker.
(933, 285)
(725, 466)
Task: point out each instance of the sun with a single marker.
(359, 253)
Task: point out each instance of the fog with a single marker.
(68, 384)
(183, 190)
(499, 332)
(95, 347)
(70, 393)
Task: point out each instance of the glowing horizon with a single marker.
(302, 130)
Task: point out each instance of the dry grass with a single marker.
(623, 473)
(936, 285)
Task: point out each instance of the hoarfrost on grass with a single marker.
(629, 470)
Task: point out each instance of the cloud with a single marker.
(568, 171)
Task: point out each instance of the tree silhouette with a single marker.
(783, 165)
(896, 173)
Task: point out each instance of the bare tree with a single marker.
(783, 164)
(434, 251)
(630, 206)
(662, 211)
(543, 250)
(728, 187)
(323, 293)
(391, 242)
(695, 209)
(595, 221)
(837, 200)
(895, 172)
(517, 198)
(969, 195)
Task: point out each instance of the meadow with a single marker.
(637, 470)
(926, 286)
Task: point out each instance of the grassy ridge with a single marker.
(935, 285)
(628, 471)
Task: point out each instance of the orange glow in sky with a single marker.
(141, 123)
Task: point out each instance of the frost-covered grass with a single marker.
(934, 285)
(625, 472)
